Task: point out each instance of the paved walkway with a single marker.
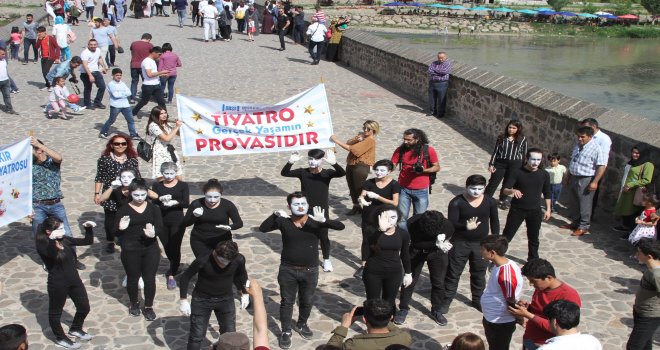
(597, 265)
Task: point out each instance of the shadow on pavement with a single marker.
(36, 302)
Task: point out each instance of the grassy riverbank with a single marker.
(616, 31)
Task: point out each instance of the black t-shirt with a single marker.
(315, 186)
(205, 225)
(387, 192)
(212, 280)
(62, 271)
(281, 21)
(179, 193)
(133, 237)
(387, 252)
(300, 246)
(117, 195)
(423, 238)
(532, 184)
(460, 211)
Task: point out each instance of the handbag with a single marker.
(328, 34)
(145, 150)
(639, 191)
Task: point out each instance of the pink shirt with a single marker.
(169, 61)
(15, 38)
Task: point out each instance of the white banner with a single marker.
(15, 181)
(214, 128)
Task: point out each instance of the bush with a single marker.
(589, 8)
(623, 7)
(557, 5)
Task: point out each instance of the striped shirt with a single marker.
(505, 282)
(509, 150)
(585, 160)
(439, 71)
(320, 16)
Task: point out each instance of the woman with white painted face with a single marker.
(507, 156)
(137, 224)
(385, 250)
(173, 196)
(57, 252)
(376, 191)
(213, 217)
(118, 190)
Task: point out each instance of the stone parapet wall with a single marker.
(453, 24)
(485, 102)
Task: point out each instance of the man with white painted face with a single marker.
(213, 291)
(418, 163)
(299, 272)
(526, 185)
(211, 218)
(470, 213)
(315, 183)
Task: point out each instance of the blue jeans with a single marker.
(528, 344)
(26, 49)
(87, 92)
(182, 16)
(128, 114)
(438, 97)
(555, 192)
(42, 211)
(419, 199)
(169, 81)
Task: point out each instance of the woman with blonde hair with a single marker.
(361, 157)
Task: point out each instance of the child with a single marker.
(251, 24)
(61, 32)
(74, 12)
(119, 94)
(14, 43)
(58, 100)
(645, 321)
(557, 174)
(504, 288)
(646, 221)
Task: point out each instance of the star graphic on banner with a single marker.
(309, 109)
(196, 117)
(310, 124)
(199, 131)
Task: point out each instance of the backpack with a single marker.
(426, 159)
(53, 48)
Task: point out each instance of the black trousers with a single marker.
(498, 335)
(299, 33)
(171, 237)
(141, 263)
(382, 283)
(294, 281)
(149, 91)
(533, 219)
(282, 33)
(459, 255)
(202, 247)
(87, 84)
(110, 57)
(641, 337)
(200, 314)
(355, 176)
(108, 223)
(45, 68)
(57, 294)
(437, 261)
(503, 169)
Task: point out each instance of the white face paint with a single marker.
(212, 197)
(381, 171)
(314, 163)
(139, 196)
(392, 217)
(534, 160)
(169, 174)
(126, 178)
(299, 206)
(475, 191)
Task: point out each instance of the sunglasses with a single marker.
(119, 143)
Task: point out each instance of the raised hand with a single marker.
(372, 195)
(123, 223)
(115, 184)
(281, 213)
(330, 156)
(363, 202)
(171, 203)
(319, 214)
(198, 212)
(472, 223)
(165, 198)
(384, 222)
(294, 157)
(150, 231)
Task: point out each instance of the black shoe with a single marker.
(353, 211)
(149, 314)
(439, 318)
(304, 331)
(400, 316)
(358, 273)
(134, 310)
(99, 105)
(285, 340)
(621, 228)
(89, 107)
(80, 266)
(110, 248)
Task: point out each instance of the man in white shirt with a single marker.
(151, 80)
(564, 317)
(604, 142)
(209, 13)
(91, 72)
(316, 32)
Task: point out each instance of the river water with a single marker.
(622, 74)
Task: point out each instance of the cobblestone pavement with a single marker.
(597, 265)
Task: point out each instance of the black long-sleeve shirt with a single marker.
(300, 246)
(460, 211)
(387, 252)
(532, 184)
(506, 149)
(133, 237)
(315, 186)
(212, 280)
(423, 238)
(179, 192)
(205, 225)
(65, 272)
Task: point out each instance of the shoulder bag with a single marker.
(145, 150)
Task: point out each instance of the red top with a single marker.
(407, 177)
(538, 328)
(139, 51)
(43, 45)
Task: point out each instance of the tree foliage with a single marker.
(557, 5)
(652, 6)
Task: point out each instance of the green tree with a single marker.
(557, 5)
(653, 7)
(589, 8)
(623, 7)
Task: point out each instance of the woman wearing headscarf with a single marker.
(337, 28)
(268, 22)
(224, 23)
(637, 173)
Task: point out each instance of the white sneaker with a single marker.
(327, 265)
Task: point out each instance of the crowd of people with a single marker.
(141, 216)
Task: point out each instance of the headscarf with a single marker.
(59, 20)
(643, 149)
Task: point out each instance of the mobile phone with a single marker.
(512, 302)
(359, 311)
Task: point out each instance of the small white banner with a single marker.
(15, 181)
